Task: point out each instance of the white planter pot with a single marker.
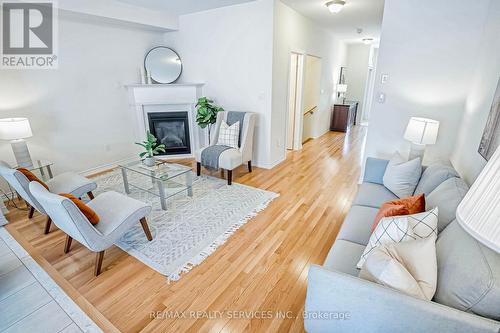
(149, 161)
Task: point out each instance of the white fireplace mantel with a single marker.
(147, 98)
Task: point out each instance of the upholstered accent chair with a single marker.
(69, 182)
(232, 158)
(117, 214)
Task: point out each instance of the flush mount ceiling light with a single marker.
(367, 41)
(335, 6)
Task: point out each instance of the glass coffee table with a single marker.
(40, 165)
(163, 180)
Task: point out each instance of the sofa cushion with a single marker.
(401, 176)
(468, 273)
(357, 225)
(343, 257)
(404, 206)
(397, 229)
(447, 197)
(433, 176)
(373, 195)
(409, 267)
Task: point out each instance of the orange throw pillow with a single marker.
(31, 177)
(86, 210)
(405, 206)
(388, 210)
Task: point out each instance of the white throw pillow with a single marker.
(229, 135)
(396, 229)
(401, 177)
(410, 267)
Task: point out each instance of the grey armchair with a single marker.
(117, 213)
(233, 158)
(69, 182)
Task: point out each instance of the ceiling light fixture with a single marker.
(367, 41)
(335, 6)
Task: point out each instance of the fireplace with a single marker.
(172, 130)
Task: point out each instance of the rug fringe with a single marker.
(209, 250)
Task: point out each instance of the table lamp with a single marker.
(421, 132)
(16, 130)
(479, 211)
(342, 89)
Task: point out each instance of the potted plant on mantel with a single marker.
(207, 113)
(152, 149)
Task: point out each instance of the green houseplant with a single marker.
(206, 114)
(152, 149)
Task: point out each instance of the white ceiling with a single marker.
(364, 14)
(181, 7)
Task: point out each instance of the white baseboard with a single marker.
(269, 165)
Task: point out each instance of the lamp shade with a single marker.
(342, 88)
(15, 128)
(422, 131)
(479, 211)
(335, 6)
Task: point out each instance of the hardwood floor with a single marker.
(262, 267)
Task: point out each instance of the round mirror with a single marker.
(163, 64)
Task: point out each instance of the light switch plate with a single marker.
(384, 78)
(381, 97)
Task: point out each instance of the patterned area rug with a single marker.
(191, 228)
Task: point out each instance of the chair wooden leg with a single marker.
(91, 195)
(98, 262)
(249, 166)
(229, 177)
(32, 211)
(145, 227)
(47, 225)
(67, 244)
(198, 168)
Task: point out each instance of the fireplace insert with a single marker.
(171, 129)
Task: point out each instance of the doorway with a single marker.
(303, 98)
(369, 86)
(311, 95)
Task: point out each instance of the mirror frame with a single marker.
(163, 47)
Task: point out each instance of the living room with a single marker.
(174, 166)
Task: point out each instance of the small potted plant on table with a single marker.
(152, 149)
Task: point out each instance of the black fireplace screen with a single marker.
(171, 129)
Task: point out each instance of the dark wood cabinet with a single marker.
(343, 116)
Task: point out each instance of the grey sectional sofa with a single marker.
(468, 292)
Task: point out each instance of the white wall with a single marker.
(79, 112)
(429, 50)
(477, 107)
(294, 32)
(358, 56)
(230, 50)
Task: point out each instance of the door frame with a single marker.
(299, 84)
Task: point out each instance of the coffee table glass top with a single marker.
(38, 164)
(161, 171)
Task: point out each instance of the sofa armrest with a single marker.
(338, 302)
(375, 170)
